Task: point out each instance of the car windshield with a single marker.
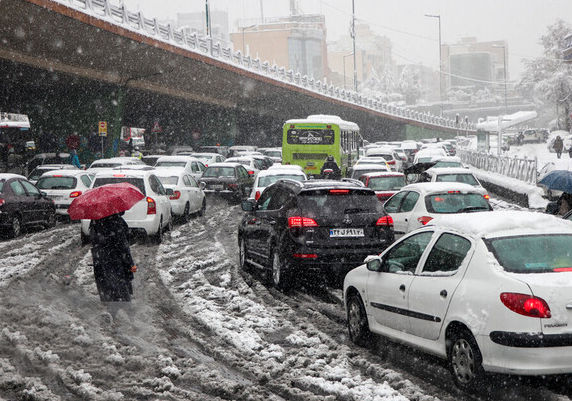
(169, 180)
(138, 182)
(448, 164)
(219, 172)
(271, 179)
(104, 165)
(533, 253)
(464, 178)
(356, 174)
(53, 182)
(338, 203)
(273, 153)
(455, 202)
(391, 183)
(170, 164)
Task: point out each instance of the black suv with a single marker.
(312, 230)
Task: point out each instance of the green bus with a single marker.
(308, 142)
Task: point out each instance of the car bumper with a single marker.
(526, 354)
(177, 206)
(149, 225)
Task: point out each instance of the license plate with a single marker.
(217, 187)
(346, 232)
(55, 196)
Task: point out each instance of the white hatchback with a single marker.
(151, 215)
(112, 162)
(270, 176)
(63, 186)
(490, 292)
(454, 174)
(188, 198)
(192, 165)
(417, 204)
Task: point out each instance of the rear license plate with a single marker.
(55, 196)
(346, 232)
(217, 187)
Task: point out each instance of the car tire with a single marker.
(203, 208)
(278, 272)
(15, 227)
(186, 217)
(465, 360)
(244, 265)
(158, 237)
(51, 222)
(358, 326)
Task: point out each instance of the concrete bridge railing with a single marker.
(522, 169)
(137, 22)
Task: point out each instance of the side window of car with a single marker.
(265, 199)
(392, 205)
(17, 188)
(156, 185)
(86, 180)
(242, 173)
(279, 199)
(404, 256)
(201, 167)
(447, 254)
(30, 189)
(192, 182)
(194, 167)
(409, 202)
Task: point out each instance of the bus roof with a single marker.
(325, 119)
(14, 120)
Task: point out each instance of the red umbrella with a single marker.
(104, 201)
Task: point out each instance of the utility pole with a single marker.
(208, 17)
(440, 62)
(353, 34)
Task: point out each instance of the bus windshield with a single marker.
(310, 136)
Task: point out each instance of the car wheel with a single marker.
(51, 222)
(170, 224)
(279, 273)
(187, 213)
(158, 237)
(203, 208)
(358, 326)
(16, 227)
(244, 265)
(465, 360)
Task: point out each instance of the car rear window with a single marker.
(338, 202)
(104, 165)
(386, 156)
(447, 164)
(56, 182)
(219, 172)
(273, 153)
(271, 179)
(455, 202)
(357, 173)
(169, 180)
(464, 178)
(533, 253)
(171, 164)
(386, 183)
(138, 182)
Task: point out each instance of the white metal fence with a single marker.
(522, 169)
(137, 22)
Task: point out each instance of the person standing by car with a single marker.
(75, 158)
(330, 164)
(113, 265)
(558, 146)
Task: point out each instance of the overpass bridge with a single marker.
(71, 63)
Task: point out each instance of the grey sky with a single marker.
(414, 36)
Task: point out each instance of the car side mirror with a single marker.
(202, 185)
(373, 263)
(43, 194)
(248, 205)
(169, 191)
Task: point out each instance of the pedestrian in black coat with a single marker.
(113, 265)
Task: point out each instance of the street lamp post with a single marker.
(354, 42)
(440, 62)
(344, 58)
(503, 47)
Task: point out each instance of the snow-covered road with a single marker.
(198, 329)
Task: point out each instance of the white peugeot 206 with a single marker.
(188, 198)
(489, 292)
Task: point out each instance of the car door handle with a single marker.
(402, 287)
(443, 293)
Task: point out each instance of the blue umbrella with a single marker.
(558, 180)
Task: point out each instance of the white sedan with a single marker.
(454, 174)
(417, 204)
(63, 186)
(270, 176)
(188, 198)
(489, 293)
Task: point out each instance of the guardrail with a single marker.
(522, 169)
(137, 22)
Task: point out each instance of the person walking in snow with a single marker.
(558, 146)
(113, 265)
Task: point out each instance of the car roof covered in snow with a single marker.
(65, 172)
(448, 170)
(9, 176)
(438, 187)
(503, 223)
(224, 164)
(383, 174)
(177, 158)
(281, 171)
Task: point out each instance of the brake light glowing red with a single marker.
(339, 191)
(250, 172)
(453, 192)
(487, 196)
(298, 221)
(438, 199)
(2, 201)
(392, 162)
(176, 195)
(75, 194)
(424, 219)
(305, 255)
(151, 206)
(119, 175)
(526, 305)
(257, 195)
(58, 175)
(558, 269)
(385, 221)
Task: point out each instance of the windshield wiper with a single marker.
(471, 209)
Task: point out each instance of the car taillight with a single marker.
(151, 206)
(176, 195)
(385, 221)
(339, 191)
(75, 194)
(424, 219)
(250, 172)
(392, 162)
(257, 195)
(526, 305)
(298, 221)
(305, 255)
(487, 196)
(2, 201)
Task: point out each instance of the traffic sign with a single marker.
(103, 128)
(156, 127)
